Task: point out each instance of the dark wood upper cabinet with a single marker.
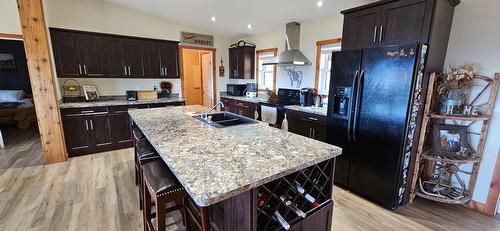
(89, 54)
(242, 62)
(395, 22)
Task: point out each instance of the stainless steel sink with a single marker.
(224, 119)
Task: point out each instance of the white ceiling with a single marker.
(233, 16)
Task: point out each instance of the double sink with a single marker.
(224, 119)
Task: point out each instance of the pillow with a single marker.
(11, 96)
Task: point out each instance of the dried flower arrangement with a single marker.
(456, 79)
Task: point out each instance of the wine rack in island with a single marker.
(298, 200)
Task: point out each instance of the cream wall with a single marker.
(101, 16)
(474, 39)
(9, 18)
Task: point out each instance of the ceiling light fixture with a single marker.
(249, 26)
(320, 3)
(213, 19)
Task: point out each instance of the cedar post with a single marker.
(38, 57)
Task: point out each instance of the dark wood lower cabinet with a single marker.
(307, 124)
(240, 107)
(100, 129)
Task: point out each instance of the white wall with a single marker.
(9, 18)
(474, 38)
(101, 16)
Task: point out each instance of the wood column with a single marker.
(38, 56)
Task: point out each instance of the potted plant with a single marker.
(454, 85)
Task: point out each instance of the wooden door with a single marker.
(192, 77)
(101, 128)
(152, 59)
(169, 53)
(405, 22)
(207, 78)
(361, 29)
(114, 65)
(132, 54)
(77, 134)
(90, 48)
(67, 58)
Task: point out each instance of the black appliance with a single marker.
(131, 95)
(306, 97)
(236, 89)
(285, 97)
(372, 115)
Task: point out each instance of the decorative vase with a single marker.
(453, 98)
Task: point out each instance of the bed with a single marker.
(16, 108)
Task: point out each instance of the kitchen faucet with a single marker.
(205, 116)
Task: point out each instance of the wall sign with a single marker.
(198, 39)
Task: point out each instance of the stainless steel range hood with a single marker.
(292, 56)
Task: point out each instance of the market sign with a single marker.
(198, 39)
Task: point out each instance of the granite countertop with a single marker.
(214, 164)
(314, 110)
(247, 99)
(119, 102)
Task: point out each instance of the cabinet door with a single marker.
(246, 62)
(169, 53)
(319, 132)
(152, 59)
(361, 29)
(132, 54)
(113, 59)
(405, 22)
(233, 64)
(90, 48)
(120, 124)
(101, 127)
(67, 58)
(320, 220)
(77, 134)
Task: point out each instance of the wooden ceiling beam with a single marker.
(36, 45)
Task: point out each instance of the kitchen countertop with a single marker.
(214, 164)
(119, 102)
(313, 110)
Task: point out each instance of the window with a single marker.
(266, 75)
(324, 64)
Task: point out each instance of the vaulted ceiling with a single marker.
(233, 16)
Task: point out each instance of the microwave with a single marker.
(236, 89)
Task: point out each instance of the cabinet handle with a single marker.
(375, 34)
(129, 70)
(85, 69)
(381, 33)
(161, 71)
(91, 125)
(79, 69)
(312, 118)
(165, 71)
(86, 125)
(125, 70)
(89, 111)
(313, 133)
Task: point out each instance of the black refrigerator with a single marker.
(374, 99)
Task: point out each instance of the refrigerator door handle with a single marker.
(349, 117)
(357, 107)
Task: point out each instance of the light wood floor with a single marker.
(97, 192)
(22, 148)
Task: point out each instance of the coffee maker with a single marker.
(306, 97)
(251, 90)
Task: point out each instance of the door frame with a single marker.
(181, 64)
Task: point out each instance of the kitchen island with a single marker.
(239, 172)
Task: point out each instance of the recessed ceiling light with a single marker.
(320, 3)
(213, 19)
(249, 26)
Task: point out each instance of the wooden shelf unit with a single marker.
(425, 161)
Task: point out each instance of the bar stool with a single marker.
(139, 141)
(160, 187)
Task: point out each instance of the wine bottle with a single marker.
(271, 209)
(306, 195)
(295, 209)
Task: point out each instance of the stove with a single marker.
(285, 97)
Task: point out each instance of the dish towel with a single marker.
(269, 114)
(284, 124)
(256, 115)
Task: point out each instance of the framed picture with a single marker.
(7, 62)
(451, 141)
(90, 93)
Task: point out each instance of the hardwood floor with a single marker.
(97, 192)
(22, 148)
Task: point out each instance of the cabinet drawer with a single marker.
(244, 104)
(125, 109)
(309, 117)
(69, 112)
(226, 101)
